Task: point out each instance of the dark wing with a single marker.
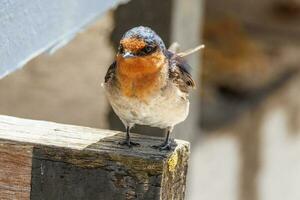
(179, 72)
(110, 74)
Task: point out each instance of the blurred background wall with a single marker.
(245, 119)
(250, 101)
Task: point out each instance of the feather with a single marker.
(179, 72)
(110, 74)
(191, 51)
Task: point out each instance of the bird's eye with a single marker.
(148, 49)
(121, 49)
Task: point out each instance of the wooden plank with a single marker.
(52, 134)
(15, 171)
(58, 161)
(29, 28)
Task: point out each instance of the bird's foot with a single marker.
(163, 146)
(129, 143)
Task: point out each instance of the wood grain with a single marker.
(15, 171)
(45, 160)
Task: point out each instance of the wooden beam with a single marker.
(45, 160)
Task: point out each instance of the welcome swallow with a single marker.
(148, 84)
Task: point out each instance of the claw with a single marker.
(163, 146)
(166, 145)
(129, 143)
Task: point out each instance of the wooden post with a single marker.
(45, 160)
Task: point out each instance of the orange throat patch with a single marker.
(140, 77)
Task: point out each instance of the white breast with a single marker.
(164, 109)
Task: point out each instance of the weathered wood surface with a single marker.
(44, 160)
(29, 28)
(15, 171)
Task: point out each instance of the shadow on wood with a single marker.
(44, 160)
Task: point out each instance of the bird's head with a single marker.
(139, 42)
(141, 50)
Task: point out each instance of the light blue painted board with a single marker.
(28, 28)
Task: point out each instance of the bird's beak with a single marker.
(128, 55)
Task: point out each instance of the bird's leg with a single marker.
(166, 145)
(128, 141)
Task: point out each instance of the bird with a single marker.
(147, 84)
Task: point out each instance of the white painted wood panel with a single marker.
(29, 28)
